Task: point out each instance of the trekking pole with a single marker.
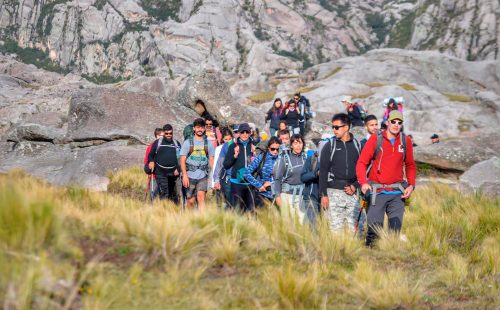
(151, 184)
(147, 189)
(361, 208)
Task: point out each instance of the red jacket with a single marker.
(147, 153)
(388, 166)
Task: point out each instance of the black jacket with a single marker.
(355, 116)
(243, 159)
(274, 117)
(292, 118)
(167, 153)
(341, 171)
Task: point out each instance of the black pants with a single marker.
(243, 199)
(394, 206)
(260, 200)
(167, 185)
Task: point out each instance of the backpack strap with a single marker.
(205, 146)
(333, 141)
(191, 146)
(357, 145)
(261, 165)
(402, 138)
(160, 140)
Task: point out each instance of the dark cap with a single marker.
(236, 128)
(434, 136)
(244, 127)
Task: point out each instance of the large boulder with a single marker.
(111, 114)
(69, 164)
(459, 154)
(483, 177)
(214, 91)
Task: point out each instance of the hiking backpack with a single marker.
(188, 132)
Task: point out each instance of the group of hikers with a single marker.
(342, 178)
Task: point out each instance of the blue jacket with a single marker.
(266, 174)
(310, 178)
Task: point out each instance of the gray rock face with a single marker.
(459, 154)
(213, 90)
(483, 177)
(251, 39)
(115, 114)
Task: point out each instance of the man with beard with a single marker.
(164, 162)
(196, 157)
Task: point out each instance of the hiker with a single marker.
(237, 159)
(292, 117)
(371, 127)
(196, 156)
(337, 179)
(282, 126)
(213, 133)
(391, 106)
(413, 141)
(220, 180)
(353, 111)
(164, 162)
(310, 178)
(152, 190)
(304, 106)
(274, 116)
(434, 139)
(259, 173)
(389, 153)
(287, 184)
(284, 137)
(254, 134)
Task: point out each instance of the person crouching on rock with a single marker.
(164, 162)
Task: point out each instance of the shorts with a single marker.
(196, 186)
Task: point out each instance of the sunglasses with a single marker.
(337, 127)
(274, 149)
(168, 133)
(394, 122)
(244, 132)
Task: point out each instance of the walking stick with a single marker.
(147, 189)
(363, 205)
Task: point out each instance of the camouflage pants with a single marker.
(342, 209)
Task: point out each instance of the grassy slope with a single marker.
(74, 248)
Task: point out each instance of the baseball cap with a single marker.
(236, 128)
(244, 127)
(395, 114)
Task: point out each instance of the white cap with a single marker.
(346, 99)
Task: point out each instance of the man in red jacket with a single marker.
(389, 153)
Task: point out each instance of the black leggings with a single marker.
(243, 199)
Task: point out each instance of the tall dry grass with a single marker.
(119, 252)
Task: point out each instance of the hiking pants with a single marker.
(311, 207)
(167, 186)
(243, 199)
(394, 206)
(292, 207)
(225, 188)
(343, 209)
(273, 131)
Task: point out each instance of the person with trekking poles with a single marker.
(390, 155)
(274, 116)
(152, 186)
(287, 184)
(337, 178)
(196, 157)
(164, 162)
(259, 173)
(238, 159)
(292, 116)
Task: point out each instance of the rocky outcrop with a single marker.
(442, 94)
(110, 39)
(483, 177)
(459, 154)
(111, 114)
(214, 91)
